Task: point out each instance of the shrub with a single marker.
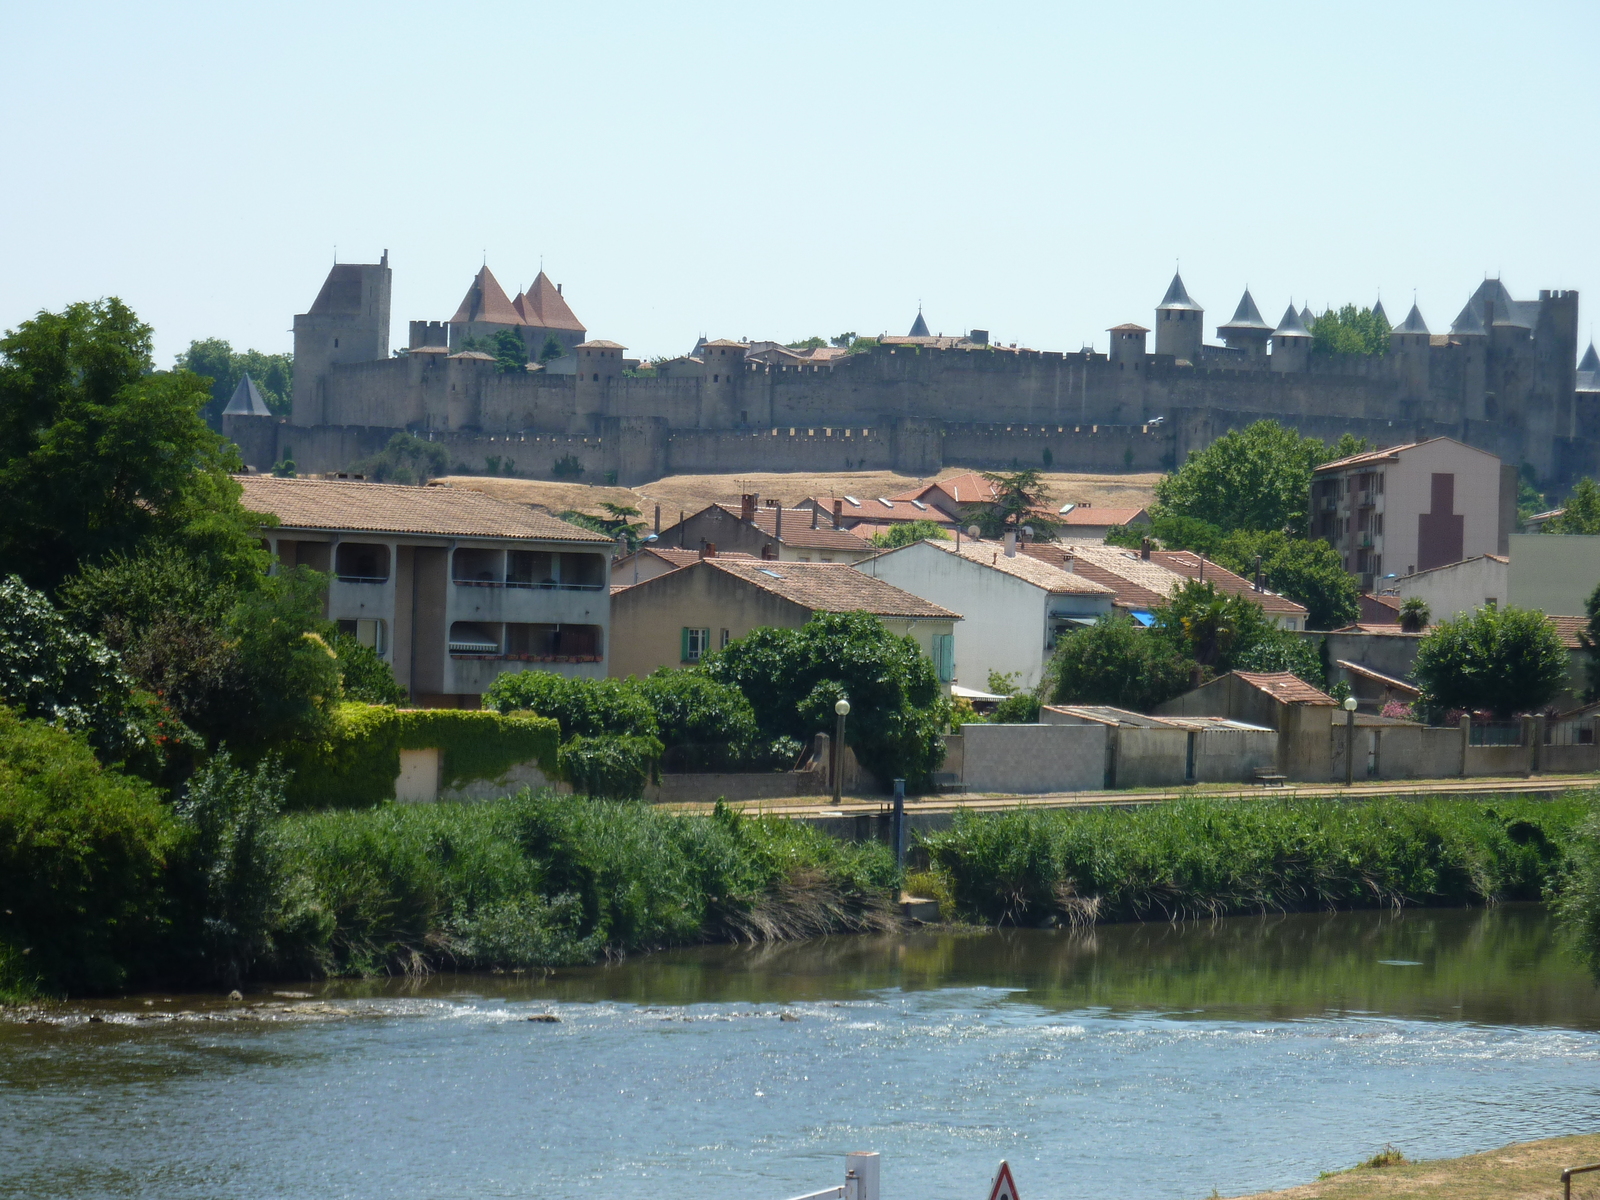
(1115, 662)
(363, 673)
(705, 725)
(582, 707)
(83, 851)
(611, 766)
(1503, 660)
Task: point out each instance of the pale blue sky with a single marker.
(778, 171)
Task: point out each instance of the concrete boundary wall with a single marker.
(1026, 759)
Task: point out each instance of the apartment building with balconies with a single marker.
(451, 587)
(1409, 508)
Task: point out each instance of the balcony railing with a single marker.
(528, 586)
(362, 578)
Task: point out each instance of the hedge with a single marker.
(356, 763)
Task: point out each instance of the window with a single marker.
(726, 638)
(361, 562)
(695, 644)
(368, 631)
(944, 656)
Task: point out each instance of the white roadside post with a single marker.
(863, 1165)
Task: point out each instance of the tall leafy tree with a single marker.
(99, 453)
(1020, 498)
(510, 352)
(1309, 572)
(1503, 660)
(1258, 477)
(1115, 662)
(217, 360)
(1351, 330)
(1581, 513)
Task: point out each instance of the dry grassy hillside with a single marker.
(690, 493)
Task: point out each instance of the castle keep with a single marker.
(1503, 378)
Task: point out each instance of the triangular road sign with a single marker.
(1005, 1187)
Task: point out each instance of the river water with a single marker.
(1152, 1060)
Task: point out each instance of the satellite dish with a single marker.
(1027, 531)
(974, 532)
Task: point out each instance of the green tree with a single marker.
(810, 343)
(1258, 477)
(1503, 660)
(1306, 571)
(99, 453)
(83, 853)
(793, 677)
(1350, 331)
(1224, 632)
(582, 707)
(1020, 498)
(1589, 639)
(907, 532)
(1581, 513)
(1115, 662)
(288, 674)
(215, 359)
(1530, 499)
(618, 523)
(405, 459)
(844, 340)
(705, 724)
(510, 352)
(551, 350)
(51, 671)
(1414, 615)
(1170, 531)
(363, 675)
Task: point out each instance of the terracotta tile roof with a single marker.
(601, 344)
(830, 587)
(797, 531)
(544, 306)
(1125, 593)
(1126, 564)
(971, 488)
(1388, 681)
(729, 343)
(1285, 688)
(1098, 516)
(880, 509)
(487, 301)
(391, 508)
(1568, 628)
(1188, 564)
(1392, 629)
(1127, 327)
(684, 558)
(1025, 567)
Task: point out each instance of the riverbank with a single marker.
(1520, 1171)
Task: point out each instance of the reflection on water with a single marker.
(1157, 1060)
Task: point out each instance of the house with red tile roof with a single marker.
(675, 619)
(768, 531)
(1300, 713)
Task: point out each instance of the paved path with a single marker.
(855, 806)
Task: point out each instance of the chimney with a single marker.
(1144, 549)
(838, 513)
(747, 507)
(1258, 572)
(816, 514)
(710, 551)
(1202, 568)
(558, 289)
(777, 523)
(1011, 543)
(702, 550)
(1071, 564)
(658, 520)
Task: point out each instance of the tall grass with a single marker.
(538, 880)
(1216, 857)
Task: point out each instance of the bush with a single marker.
(582, 707)
(610, 766)
(537, 880)
(793, 678)
(1115, 662)
(704, 724)
(83, 853)
(363, 674)
(1216, 858)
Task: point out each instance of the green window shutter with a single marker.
(684, 645)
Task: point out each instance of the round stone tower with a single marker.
(1179, 323)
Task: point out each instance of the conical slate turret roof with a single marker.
(1469, 323)
(247, 401)
(1590, 360)
(1377, 310)
(1291, 325)
(919, 327)
(1178, 297)
(1413, 322)
(1246, 316)
(1307, 317)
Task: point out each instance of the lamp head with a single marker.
(842, 707)
(1349, 704)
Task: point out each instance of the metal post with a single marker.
(1349, 747)
(863, 1165)
(900, 823)
(840, 708)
